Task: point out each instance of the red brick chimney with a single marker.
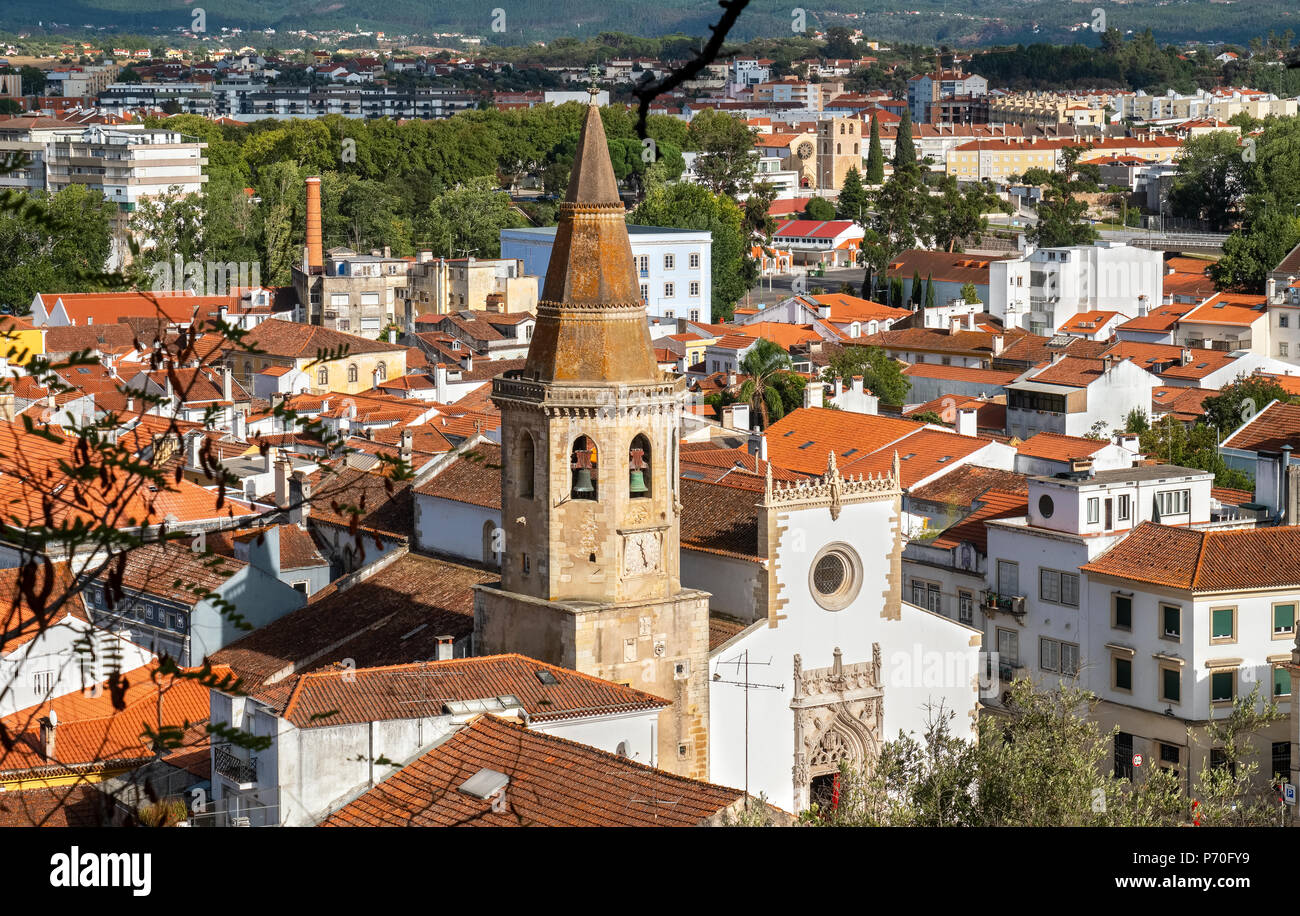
(315, 254)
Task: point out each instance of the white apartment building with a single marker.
(1036, 608)
(1046, 287)
(675, 266)
(126, 165)
(1179, 624)
(1073, 394)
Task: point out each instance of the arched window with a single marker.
(248, 368)
(382, 370)
(585, 470)
(352, 372)
(323, 375)
(838, 150)
(491, 544)
(638, 468)
(524, 466)
(841, 128)
(855, 149)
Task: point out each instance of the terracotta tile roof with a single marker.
(990, 414)
(1197, 286)
(1183, 403)
(1074, 371)
(1232, 497)
(972, 530)
(802, 439)
(1276, 425)
(105, 731)
(976, 343)
(393, 617)
(783, 335)
(717, 463)
(373, 502)
(543, 791)
(1087, 321)
(26, 458)
(173, 570)
(1031, 349)
(1248, 559)
(721, 629)
(994, 378)
(946, 267)
(88, 309)
(1289, 383)
(474, 477)
(921, 455)
(966, 484)
(78, 805)
(291, 340)
(720, 518)
(1057, 447)
(422, 689)
(1233, 309)
(1166, 360)
(21, 620)
(1159, 319)
(852, 308)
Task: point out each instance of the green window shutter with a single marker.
(1172, 684)
(1284, 618)
(1281, 682)
(1123, 674)
(1221, 628)
(1221, 686)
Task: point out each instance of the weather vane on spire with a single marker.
(594, 86)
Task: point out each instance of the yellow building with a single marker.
(357, 365)
(21, 340)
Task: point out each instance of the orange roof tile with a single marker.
(802, 439)
(1273, 427)
(107, 730)
(613, 791)
(1246, 559)
(345, 695)
(1057, 447)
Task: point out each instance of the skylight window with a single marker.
(848, 453)
(547, 677)
(806, 444)
(908, 455)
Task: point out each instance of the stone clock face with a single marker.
(641, 553)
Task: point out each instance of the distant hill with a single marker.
(954, 22)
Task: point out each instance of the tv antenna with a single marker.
(738, 661)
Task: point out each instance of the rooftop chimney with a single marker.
(299, 498)
(283, 469)
(315, 251)
(227, 385)
(998, 342)
(408, 444)
(967, 421)
(857, 384)
(446, 648)
(812, 394)
(49, 724)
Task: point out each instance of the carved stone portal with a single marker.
(839, 714)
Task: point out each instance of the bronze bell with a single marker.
(636, 474)
(582, 481)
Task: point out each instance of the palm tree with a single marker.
(764, 363)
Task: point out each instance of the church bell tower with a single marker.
(589, 431)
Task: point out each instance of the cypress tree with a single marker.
(904, 149)
(853, 198)
(916, 288)
(875, 155)
(929, 291)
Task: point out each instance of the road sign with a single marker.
(1288, 793)
(1137, 760)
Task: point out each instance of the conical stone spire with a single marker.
(591, 323)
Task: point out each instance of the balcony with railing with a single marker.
(240, 770)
